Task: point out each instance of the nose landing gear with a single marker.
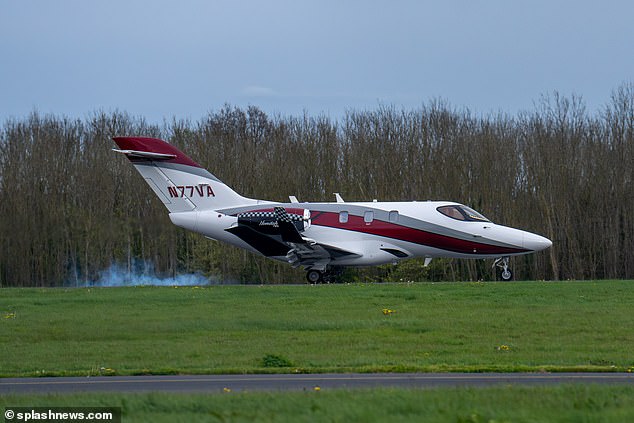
(502, 263)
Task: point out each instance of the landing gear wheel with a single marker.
(314, 276)
(506, 275)
(503, 264)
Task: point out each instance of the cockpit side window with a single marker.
(464, 213)
(473, 215)
(451, 211)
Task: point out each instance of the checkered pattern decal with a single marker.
(281, 214)
(272, 216)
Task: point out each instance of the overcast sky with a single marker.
(162, 59)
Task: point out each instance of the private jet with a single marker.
(323, 238)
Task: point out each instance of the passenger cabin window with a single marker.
(368, 217)
(343, 217)
(460, 212)
(393, 216)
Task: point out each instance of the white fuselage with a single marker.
(377, 232)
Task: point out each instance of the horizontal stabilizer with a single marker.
(141, 149)
(146, 154)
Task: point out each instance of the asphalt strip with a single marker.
(283, 382)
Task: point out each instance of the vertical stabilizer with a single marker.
(179, 182)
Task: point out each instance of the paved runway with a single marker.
(219, 383)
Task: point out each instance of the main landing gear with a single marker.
(502, 263)
(328, 276)
(314, 276)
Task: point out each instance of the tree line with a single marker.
(70, 207)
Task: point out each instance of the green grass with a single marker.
(566, 403)
(522, 326)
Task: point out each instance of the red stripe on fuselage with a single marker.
(404, 233)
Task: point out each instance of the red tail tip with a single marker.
(154, 145)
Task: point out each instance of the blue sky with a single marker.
(162, 59)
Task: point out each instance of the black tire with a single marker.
(506, 275)
(313, 276)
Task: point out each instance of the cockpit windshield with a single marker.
(460, 212)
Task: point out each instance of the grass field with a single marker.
(522, 326)
(567, 403)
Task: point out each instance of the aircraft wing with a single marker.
(305, 251)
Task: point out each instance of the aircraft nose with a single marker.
(536, 242)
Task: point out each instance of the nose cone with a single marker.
(536, 242)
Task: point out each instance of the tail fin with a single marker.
(181, 184)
